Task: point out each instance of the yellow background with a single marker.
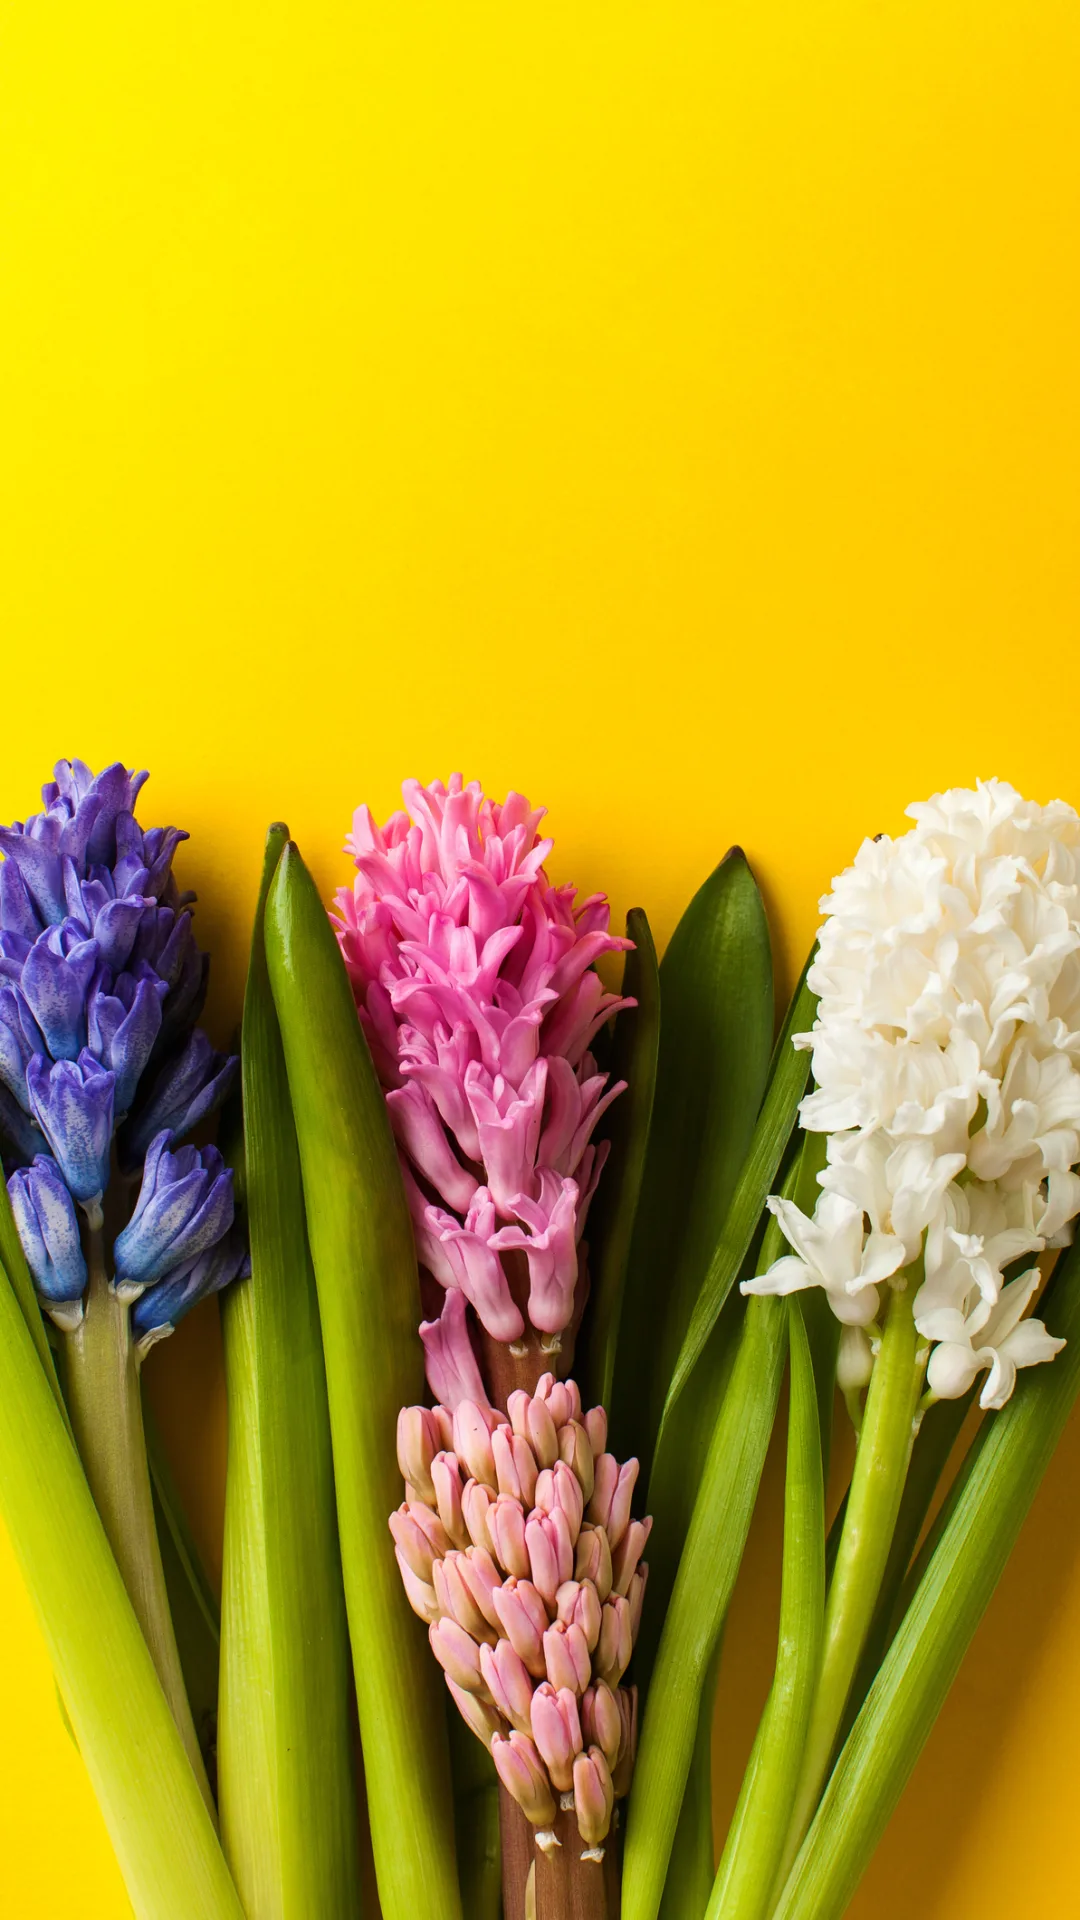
(670, 410)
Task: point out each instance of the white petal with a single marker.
(1000, 1382)
(1029, 1344)
(786, 1275)
(951, 1370)
(883, 1255)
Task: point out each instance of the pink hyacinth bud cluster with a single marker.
(517, 1546)
(476, 985)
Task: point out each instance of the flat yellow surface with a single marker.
(670, 410)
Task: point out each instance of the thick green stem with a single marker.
(877, 1486)
(106, 1416)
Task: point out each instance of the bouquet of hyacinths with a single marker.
(522, 1264)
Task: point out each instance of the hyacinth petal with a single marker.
(556, 1728)
(478, 1271)
(522, 1615)
(49, 1231)
(522, 1773)
(594, 1796)
(72, 1102)
(185, 1206)
(420, 1593)
(159, 1310)
(477, 1714)
(452, 1370)
(56, 977)
(592, 1559)
(418, 1442)
(601, 1721)
(421, 1134)
(508, 1681)
(507, 1532)
(531, 1419)
(476, 1504)
(457, 1654)
(448, 1486)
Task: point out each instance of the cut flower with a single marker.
(946, 1059)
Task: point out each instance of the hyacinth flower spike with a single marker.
(101, 1063)
(534, 1661)
(476, 986)
(946, 1086)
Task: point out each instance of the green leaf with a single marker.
(285, 1749)
(195, 1613)
(362, 1250)
(748, 1871)
(692, 1865)
(788, 1075)
(152, 1805)
(682, 1449)
(611, 1225)
(1003, 1472)
(706, 1577)
(716, 1029)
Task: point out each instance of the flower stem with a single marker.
(106, 1416)
(877, 1485)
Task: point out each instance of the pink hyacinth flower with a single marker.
(523, 1774)
(556, 1729)
(594, 1797)
(475, 980)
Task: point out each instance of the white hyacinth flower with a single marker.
(832, 1251)
(997, 1337)
(946, 1061)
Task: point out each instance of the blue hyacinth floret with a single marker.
(102, 1066)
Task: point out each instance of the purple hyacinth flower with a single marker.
(72, 1101)
(49, 1230)
(92, 904)
(56, 979)
(82, 812)
(185, 1205)
(14, 948)
(143, 859)
(17, 911)
(158, 1310)
(123, 1023)
(187, 1088)
(20, 1039)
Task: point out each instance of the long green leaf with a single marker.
(707, 1572)
(285, 1752)
(682, 1449)
(693, 1861)
(1006, 1464)
(152, 1805)
(744, 1884)
(611, 1225)
(716, 1029)
(787, 1083)
(369, 1305)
